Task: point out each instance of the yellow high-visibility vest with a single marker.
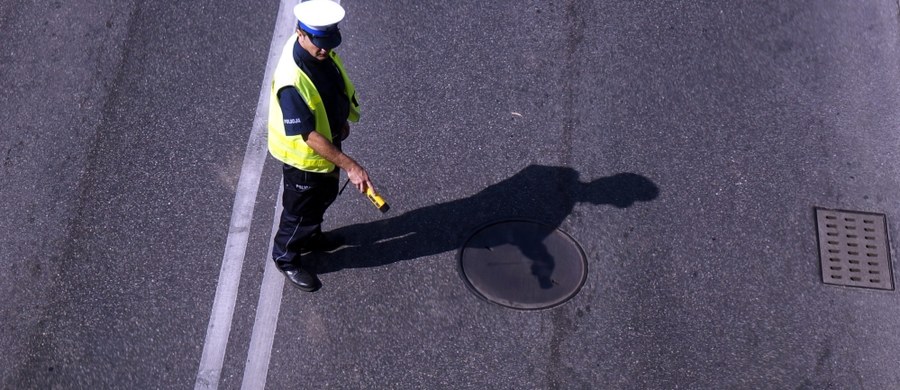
(291, 149)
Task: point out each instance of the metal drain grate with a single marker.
(854, 249)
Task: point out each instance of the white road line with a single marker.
(256, 367)
(219, 327)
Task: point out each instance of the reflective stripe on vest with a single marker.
(291, 149)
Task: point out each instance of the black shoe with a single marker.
(302, 279)
(320, 242)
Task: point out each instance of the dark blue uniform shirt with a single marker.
(298, 119)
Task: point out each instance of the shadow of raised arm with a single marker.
(541, 193)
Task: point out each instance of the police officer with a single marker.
(311, 104)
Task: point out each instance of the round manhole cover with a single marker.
(523, 264)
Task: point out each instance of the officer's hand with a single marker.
(359, 177)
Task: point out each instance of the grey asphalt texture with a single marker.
(710, 131)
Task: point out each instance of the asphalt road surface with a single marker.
(138, 202)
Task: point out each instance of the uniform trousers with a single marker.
(306, 197)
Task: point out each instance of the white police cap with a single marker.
(319, 15)
(319, 18)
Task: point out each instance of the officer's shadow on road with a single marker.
(541, 193)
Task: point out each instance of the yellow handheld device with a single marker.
(377, 200)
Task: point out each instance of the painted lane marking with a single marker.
(220, 319)
(256, 368)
